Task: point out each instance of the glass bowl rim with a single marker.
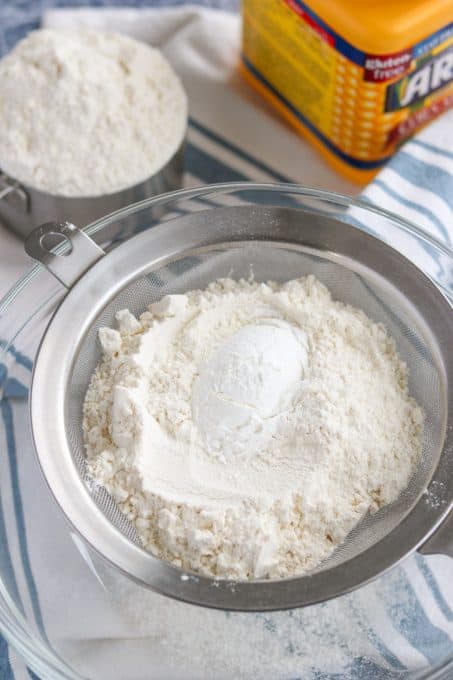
(340, 199)
(40, 656)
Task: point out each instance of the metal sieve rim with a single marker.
(105, 279)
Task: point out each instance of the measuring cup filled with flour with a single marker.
(251, 400)
(89, 123)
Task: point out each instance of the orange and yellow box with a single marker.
(357, 77)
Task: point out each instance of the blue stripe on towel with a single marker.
(210, 169)
(380, 646)
(366, 227)
(413, 205)
(238, 152)
(8, 421)
(409, 617)
(430, 177)
(7, 565)
(8, 568)
(5, 668)
(20, 358)
(432, 147)
(14, 389)
(430, 579)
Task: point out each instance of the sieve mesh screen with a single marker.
(273, 261)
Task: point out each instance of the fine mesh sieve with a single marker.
(190, 252)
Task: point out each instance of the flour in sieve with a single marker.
(246, 429)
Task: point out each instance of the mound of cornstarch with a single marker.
(245, 429)
(84, 113)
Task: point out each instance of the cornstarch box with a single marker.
(356, 77)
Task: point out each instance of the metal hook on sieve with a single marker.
(75, 253)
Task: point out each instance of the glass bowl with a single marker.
(70, 614)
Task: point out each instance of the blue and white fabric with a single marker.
(396, 626)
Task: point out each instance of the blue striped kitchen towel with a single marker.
(398, 627)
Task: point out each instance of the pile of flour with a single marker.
(245, 429)
(84, 113)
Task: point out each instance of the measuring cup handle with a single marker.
(441, 542)
(76, 252)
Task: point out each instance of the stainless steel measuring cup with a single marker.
(23, 207)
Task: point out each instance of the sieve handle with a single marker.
(441, 542)
(70, 258)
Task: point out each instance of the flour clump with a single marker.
(245, 429)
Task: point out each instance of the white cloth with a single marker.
(404, 620)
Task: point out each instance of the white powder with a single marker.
(247, 386)
(247, 428)
(84, 113)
